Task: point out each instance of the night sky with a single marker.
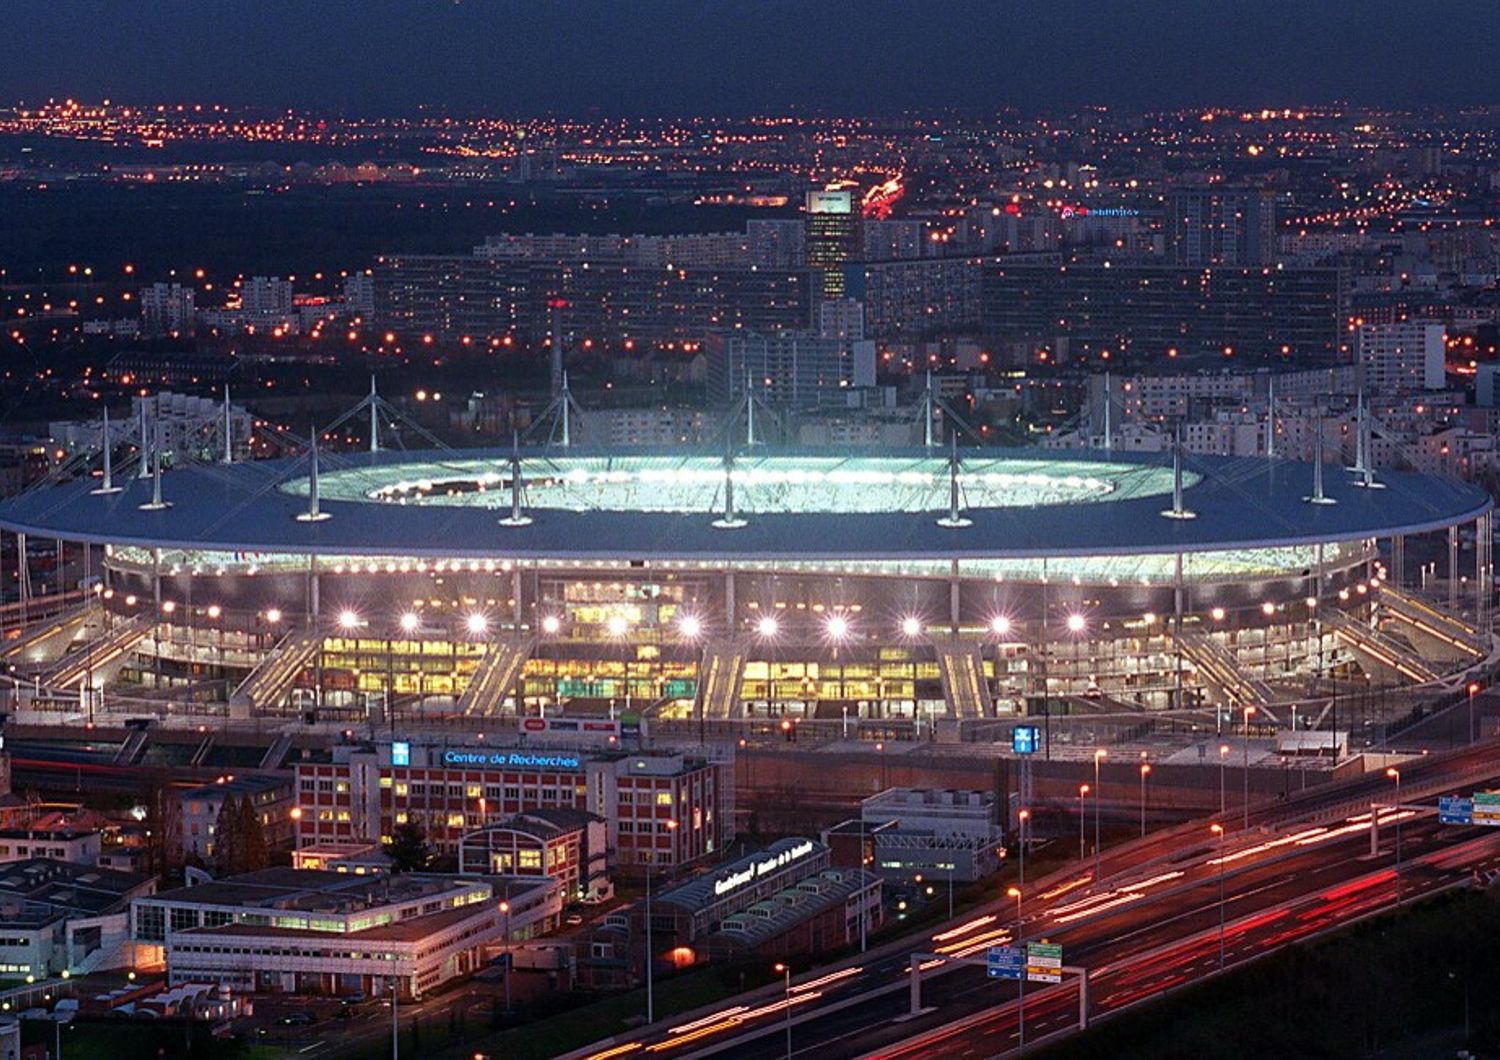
(677, 57)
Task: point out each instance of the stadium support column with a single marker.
(314, 605)
(1398, 560)
(729, 603)
(953, 597)
(1453, 569)
(156, 581)
(1177, 623)
(518, 612)
(1481, 569)
(23, 577)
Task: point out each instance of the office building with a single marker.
(269, 793)
(58, 916)
(299, 930)
(571, 846)
(168, 309)
(833, 237)
(1401, 358)
(452, 791)
(1220, 226)
(789, 369)
(1160, 312)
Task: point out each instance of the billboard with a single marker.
(830, 202)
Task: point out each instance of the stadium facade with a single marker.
(973, 584)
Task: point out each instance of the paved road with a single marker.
(1154, 894)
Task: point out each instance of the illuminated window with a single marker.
(663, 798)
(401, 817)
(402, 789)
(455, 820)
(385, 782)
(529, 859)
(474, 791)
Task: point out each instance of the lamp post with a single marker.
(1223, 755)
(1022, 818)
(1015, 892)
(1395, 774)
(1145, 772)
(505, 911)
(1099, 754)
(395, 1019)
(1083, 789)
(650, 955)
(786, 972)
(1473, 690)
(1249, 710)
(1218, 830)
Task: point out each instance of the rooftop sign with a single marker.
(758, 868)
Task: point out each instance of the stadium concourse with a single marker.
(917, 586)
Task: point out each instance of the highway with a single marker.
(1303, 867)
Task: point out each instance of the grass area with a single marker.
(573, 1028)
(1374, 987)
(123, 1039)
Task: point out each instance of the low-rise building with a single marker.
(269, 793)
(60, 844)
(289, 930)
(60, 916)
(936, 833)
(569, 845)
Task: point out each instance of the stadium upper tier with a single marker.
(590, 505)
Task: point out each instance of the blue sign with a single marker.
(400, 753)
(1455, 809)
(1004, 962)
(511, 759)
(1024, 739)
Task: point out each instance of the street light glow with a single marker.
(690, 626)
(1000, 625)
(1076, 623)
(618, 625)
(911, 626)
(767, 626)
(477, 623)
(348, 619)
(273, 615)
(410, 622)
(838, 627)
(551, 624)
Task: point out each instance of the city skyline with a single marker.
(686, 58)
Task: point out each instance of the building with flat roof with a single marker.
(567, 844)
(662, 810)
(269, 793)
(290, 930)
(60, 844)
(60, 916)
(936, 833)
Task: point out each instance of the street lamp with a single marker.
(1223, 755)
(1145, 772)
(1015, 892)
(1022, 818)
(650, 982)
(1249, 710)
(1083, 789)
(505, 910)
(1099, 754)
(1395, 774)
(786, 973)
(1218, 830)
(1473, 691)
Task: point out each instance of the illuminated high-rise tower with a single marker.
(833, 236)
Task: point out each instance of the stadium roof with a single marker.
(592, 505)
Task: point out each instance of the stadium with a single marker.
(924, 584)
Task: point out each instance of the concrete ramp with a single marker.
(272, 681)
(495, 677)
(721, 676)
(961, 665)
(99, 660)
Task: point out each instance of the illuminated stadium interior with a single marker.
(844, 586)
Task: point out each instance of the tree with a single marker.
(229, 847)
(254, 854)
(408, 848)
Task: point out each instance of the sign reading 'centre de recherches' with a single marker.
(511, 760)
